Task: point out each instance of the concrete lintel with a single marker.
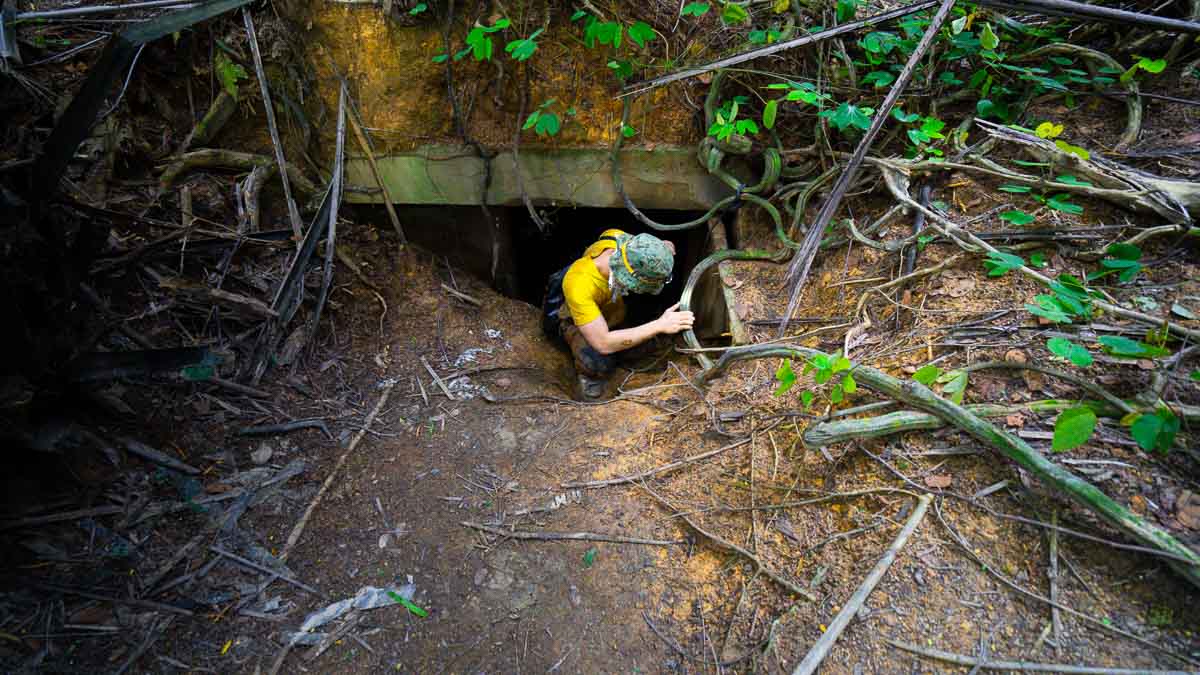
(662, 178)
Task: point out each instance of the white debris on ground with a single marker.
(471, 356)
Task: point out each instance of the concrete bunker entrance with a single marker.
(505, 248)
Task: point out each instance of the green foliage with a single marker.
(1017, 217)
(479, 41)
(769, 112)
(589, 558)
(879, 78)
(1122, 260)
(695, 9)
(824, 368)
(1155, 431)
(542, 121)
(641, 33)
(1015, 189)
(1195, 375)
(1073, 428)
(733, 14)
(1068, 300)
(847, 9)
(954, 384)
(805, 92)
(728, 124)
(785, 376)
(764, 37)
(628, 131)
(848, 116)
(419, 8)
(1064, 348)
(999, 263)
(927, 374)
(524, 48)
(1152, 66)
(1125, 348)
(229, 73)
(604, 32)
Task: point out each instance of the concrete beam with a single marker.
(662, 178)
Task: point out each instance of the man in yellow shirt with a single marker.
(591, 305)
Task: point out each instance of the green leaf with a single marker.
(733, 14)
(1059, 346)
(1195, 375)
(846, 10)
(1048, 307)
(848, 384)
(785, 376)
(806, 398)
(628, 131)
(1068, 179)
(1072, 149)
(695, 9)
(522, 49)
(956, 385)
(1124, 251)
(531, 120)
(1048, 130)
(902, 117)
(418, 8)
(1076, 354)
(847, 116)
(1015, 189)
(1125, 348)
(408, 604)
(1073, 428)
(1061, 202)
(1017, 217)
(1151, 65)
(229, 73)
(441, 58)
(987, 38)
(590, 557)
(957, 25)
(999, 263)
(769, 112)
(1155, 431)
(927, 374)
(837, 394)
(198, 373)
(547, 124)
(1038, 259)
(840, 363)
(641, 33)
(579, 14)
(879, 78)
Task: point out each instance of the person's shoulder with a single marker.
(577, 273)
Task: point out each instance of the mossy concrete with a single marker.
(666, 177)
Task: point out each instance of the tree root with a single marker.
(227, 159)
(838, 431)
(921, 397)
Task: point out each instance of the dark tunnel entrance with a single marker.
(516, 258)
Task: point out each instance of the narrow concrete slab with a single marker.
(661, 178)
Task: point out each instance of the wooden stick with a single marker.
(821, 648)
(387, 197)
(146, 452)
(567, 536)
(1024, 666)
(436, 379)
(263, 568)
(299, 528)
(293, 212)
(1055, 616)
(470, 300)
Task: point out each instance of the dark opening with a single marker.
(516, 258)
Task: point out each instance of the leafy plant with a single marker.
(1152, 66)
(479, 42)
(848, 116)
(229, 73)
(695, 9)
(1064, 348)
(641, 33)
(926, 374)
(524, 48)
(805, 92)
(1068, 300)
(1017, 217)
(604, 32)
(733, 14)
(419, 8)
(1122, 260)
(1125, 348)
(542, 121)
(1155, 431)
(824, 368)
(1073, 428)
(999, 263)
(728, 124)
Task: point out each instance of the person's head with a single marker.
(641, 264)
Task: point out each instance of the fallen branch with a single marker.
(146, 452)
(207, 296)
(819, 650)
(567, 536)
(299, 528)
(920, 396)
(1024, 666)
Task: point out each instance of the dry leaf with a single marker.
(1187, 510)
(1015, 356)
(1014, 421)
(938, 482)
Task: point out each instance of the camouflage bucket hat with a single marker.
(642, 263)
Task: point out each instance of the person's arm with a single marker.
(607, 341)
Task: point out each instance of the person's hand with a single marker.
(673, 321)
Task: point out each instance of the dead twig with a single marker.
(819, 650)
(567, 536)
(657, 471)
(263, 568)
(299, 528)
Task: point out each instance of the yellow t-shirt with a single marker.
(586, 290)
